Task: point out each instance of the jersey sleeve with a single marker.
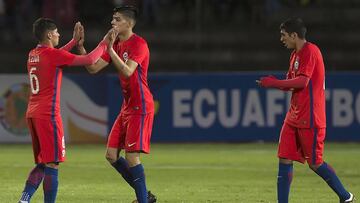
(62, 57)
(106, 57)
(307, 64)
(138, 52)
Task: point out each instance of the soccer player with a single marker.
(303, 132)
(132, 129)
(44, 66)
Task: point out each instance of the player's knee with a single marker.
(313, 167)
(111, 158)
(285, 161)
(132, 162)
(133, 159)
(52, 165)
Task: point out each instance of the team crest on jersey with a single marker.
(296, 64)
(125, 56)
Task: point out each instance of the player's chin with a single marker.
(115, 27)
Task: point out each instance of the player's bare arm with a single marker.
(127, 68)
(93, 56)
(96, 67)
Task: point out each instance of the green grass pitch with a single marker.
(188, 173)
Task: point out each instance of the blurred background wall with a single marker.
(194, 35)
(218, 40)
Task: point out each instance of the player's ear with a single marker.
(133, 22)
(130, 23)
(48, 35)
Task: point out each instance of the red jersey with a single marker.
(307, 107)
(45, 72)
(137, 96)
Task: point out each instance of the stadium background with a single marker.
(205, 56)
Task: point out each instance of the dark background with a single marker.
(193, 35)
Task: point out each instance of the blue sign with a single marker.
(230, 107)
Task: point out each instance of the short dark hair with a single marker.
(41, 26)
(128, 11)
(296, 25)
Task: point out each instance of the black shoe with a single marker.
(151, 197)
(350, 200)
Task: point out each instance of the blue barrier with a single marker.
(216, 107)
(229, 107)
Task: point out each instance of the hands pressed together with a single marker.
(110, 38)
(79, 36)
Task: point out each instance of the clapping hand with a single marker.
(110, 37)
(82, 36)
(77, 32)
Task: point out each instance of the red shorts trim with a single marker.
(47, 140)
(300, 144)
(132, 132)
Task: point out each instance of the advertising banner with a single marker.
(216, 107)
(83, 108)
(230, 107)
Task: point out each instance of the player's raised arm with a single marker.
(99, 64)
(65, 58)
(125, 68)
(93, 56)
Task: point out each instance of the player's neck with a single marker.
(46, 44)
(299, 45)
(125, 35)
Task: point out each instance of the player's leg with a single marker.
(327, 173)
(32, 183)
(138, 174)
(37, 173)
(120, 164)
(284, 179)
(50, 184)
(313, 146)
(137, 141)
(287, 152)
(52, 153)
(115, 143)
